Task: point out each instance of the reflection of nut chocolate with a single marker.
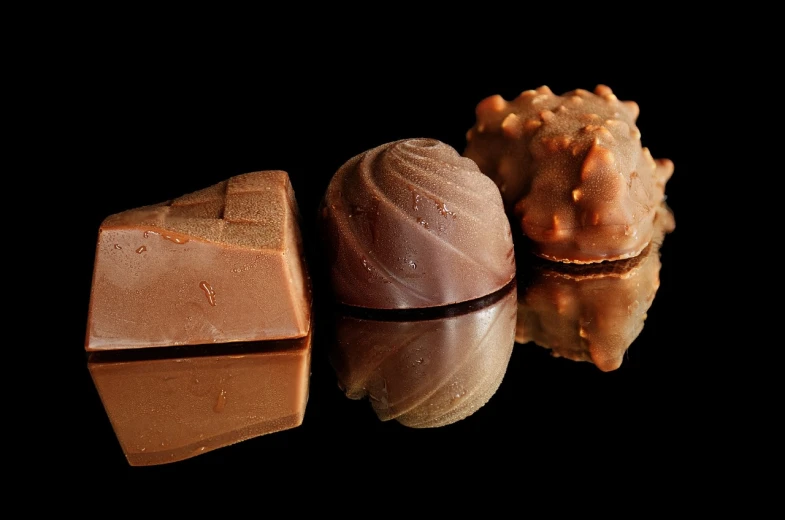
(412, 224)
(573, 170)
(594, 312)
(427, 373)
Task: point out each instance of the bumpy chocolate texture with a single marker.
(429, 373)
(223, 264)
(177, 407)
(573, 171)
(412, 224)
(592, 312)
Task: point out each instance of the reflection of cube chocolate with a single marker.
(223, 264)
(166, 407)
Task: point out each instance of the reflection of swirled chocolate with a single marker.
(592, 313)
(427, 373)
(404, 219)
(179, 402)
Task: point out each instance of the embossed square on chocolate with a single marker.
(223, 264)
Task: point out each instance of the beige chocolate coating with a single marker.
(573, 171)
(223, 264)
(592, 312)
(429, 373)
(412, 224)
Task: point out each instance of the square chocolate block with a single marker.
(224, 264)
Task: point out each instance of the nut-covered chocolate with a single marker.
(573, 171)
(412, 224)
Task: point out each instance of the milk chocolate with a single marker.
(572, 170)
(182, 404)
(427, 373)
(224, 264)
(412, 224)
(592, 312)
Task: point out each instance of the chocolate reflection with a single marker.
(593, 312)
(429, 371)
(176, 403)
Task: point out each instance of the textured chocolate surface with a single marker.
(573, 171)
(593, 312)
(173, 408)
(427, 373)
(413, 224)
(223, 264)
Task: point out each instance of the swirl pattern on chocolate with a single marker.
(573, 171)
(412, 224)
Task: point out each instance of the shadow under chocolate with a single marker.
(427, 313)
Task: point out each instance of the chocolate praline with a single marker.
(412, 224)
(572, 170)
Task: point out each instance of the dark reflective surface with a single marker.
(195, 136)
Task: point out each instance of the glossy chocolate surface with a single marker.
(182, 402)
(223, 264)
(573, 171)
(427, 373)
(592, 313)
(413, 224)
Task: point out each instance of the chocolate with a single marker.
(427, 373)
(224, 264)
(592, 312)
(572, 170)
(179, 405)
(412, 224)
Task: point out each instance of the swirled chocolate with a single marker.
(573, 171)
(427, 373)
(412, 224)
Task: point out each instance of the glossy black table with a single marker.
(194, 137)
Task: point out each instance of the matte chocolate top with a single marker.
(223, 264)
(249, 211)
(573, 170)
(412, 224)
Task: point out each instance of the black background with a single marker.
(163, 127)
